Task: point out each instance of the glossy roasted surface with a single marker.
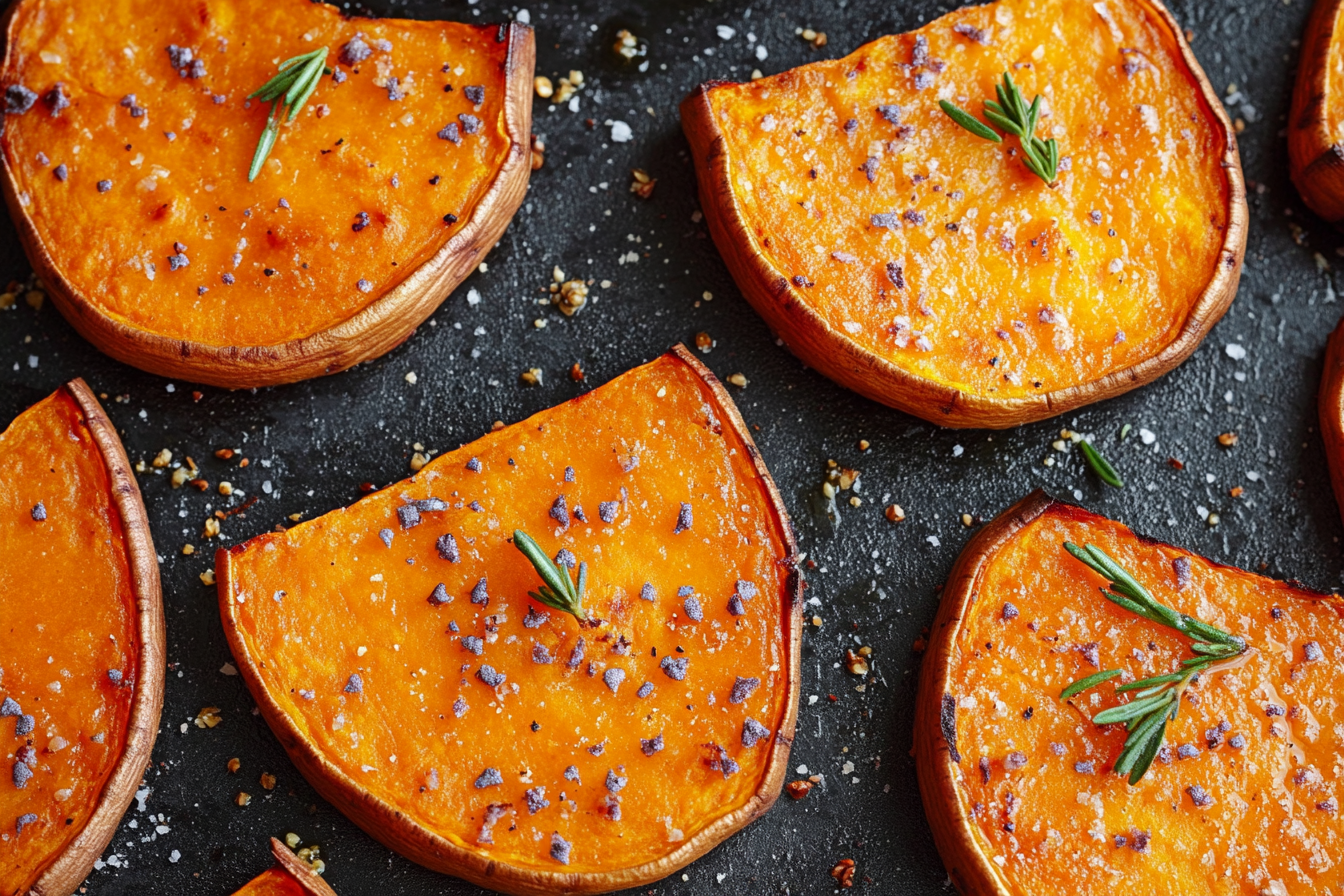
(1245, 800)
(939, 251)
(417, 728)
(174, 152)
(67, 619)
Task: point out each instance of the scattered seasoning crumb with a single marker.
(439, 596)
(1311, 652)
(753, 732)
(459, 707)
(355, 684)
(844, 873)
(1014, 760)
(480, 594)
(613, 677)
(386, 535)
(693, 611)
(104, 186)
(649, 746)
(490, 677)
(1199, 796)
(798, 789)
(536, 800)
(39, 512)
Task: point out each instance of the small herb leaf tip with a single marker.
(558, 591)
(290, 89)
(1011, 114)
(1156, 700)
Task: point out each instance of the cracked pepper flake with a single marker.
(753, 732)
(693, 611)
(566, 559)
(576, 655)
(409, 516)
(736, 607)
(10, 707)
(675, 667)
(451, 133)
(615, 783)
(474, 465)
(489, 778)
(440, 596)
(479, 593)
(490, 677)
(560, 848)
(533, 619)
(535, 799)
(447, 547)
(559, 512)
(23, 821)
(459, 707)
(355, 684)
(474, 644)
(474, 93)
(607, 510)
(540, 654)
(22, 775)
(386, 536)
(18, 99)
(25, 725)
(644, 690)
(648, 593)
(651, 745)
(572, 774)
(613, 677)
(743, 688)
(683, 519)
(470, 123)
(39, 512)
(355, 51)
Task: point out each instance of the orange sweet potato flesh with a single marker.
(1272, 771)
(1316, 121)
(67, 617)
(308, 608)
(984, 280)
(287, 239)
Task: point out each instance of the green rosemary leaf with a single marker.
(1033, 116)
(1148, 692)
(1143, 741)
(264, 145)
(1126, 711)
(558, 589)
(554, 577)
(1149, 753)
(1090, 681)
(1003, 122)
(1100, 465)
(1148, 682)
(291, 87)
(969, 122)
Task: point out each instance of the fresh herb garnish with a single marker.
(558, 590)
(291, 88)
(1012, 115)
(1100, 465)
(1158, 699)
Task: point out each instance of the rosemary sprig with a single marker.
(558, 590)
(1100, 465)
(1157, 699)
(291, 88)
(1011, 114)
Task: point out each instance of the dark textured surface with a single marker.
(875, 583)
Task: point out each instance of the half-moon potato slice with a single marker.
(1243, 795)
(81, 673)
(926, 267)
(127, 145)
(394, 650)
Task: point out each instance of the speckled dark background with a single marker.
(875, 583)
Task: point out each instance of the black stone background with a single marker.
(876, 583)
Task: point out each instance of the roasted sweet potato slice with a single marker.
(289, 877)
(127, 145)
(81, 673)
(394, 651)
(1316, 121)
(927, 268)
(1018, 784)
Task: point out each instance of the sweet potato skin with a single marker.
(81, 584)
(1057, 834)
(659, 435)
(1316, 118)
(1330, 406)
(312, 292)
(289, 877)
(982, 321)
